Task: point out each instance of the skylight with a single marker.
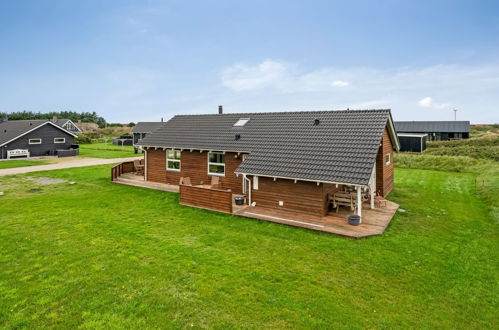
(241, 122)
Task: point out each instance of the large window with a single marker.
(59, 140)
(35, 141)
(173, 160)
(216, 163)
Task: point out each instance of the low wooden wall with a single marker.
(119, 169)
(205, 198)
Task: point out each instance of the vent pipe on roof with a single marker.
(161, 119)
(316, 122)
(220, 109)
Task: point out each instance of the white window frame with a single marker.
(389, 161)
(39, 141)
(174, 160)
(241, 122)
(219, 164)
(63, 140)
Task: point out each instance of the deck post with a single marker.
(359, 202)
(145, 164)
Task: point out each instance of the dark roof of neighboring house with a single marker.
(61, 122)
(433, 126)
(12, 129)
(342, 148)
(147, 126)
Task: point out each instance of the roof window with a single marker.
(241, 122)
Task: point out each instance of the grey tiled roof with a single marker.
(342, 148)
(147, 127)
(433, 126)
(13, 128)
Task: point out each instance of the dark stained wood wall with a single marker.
(211, 199)
(384, 173)
(47, 148)
(306, 197)
(195, 166)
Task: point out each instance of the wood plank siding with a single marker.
(302, 196)
(211, 199)
(47, 133)
(195, 166)
(384, 172)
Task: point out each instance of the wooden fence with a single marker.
(119, 169)
(206, 198)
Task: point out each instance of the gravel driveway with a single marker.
(81, 162)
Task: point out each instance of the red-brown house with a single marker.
(282, 161)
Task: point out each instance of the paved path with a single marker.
(80, 162)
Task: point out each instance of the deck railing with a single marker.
(118, 170)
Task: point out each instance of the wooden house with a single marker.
(289, 162)
(140, 130)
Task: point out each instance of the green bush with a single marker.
(478, 148)
(83, 138)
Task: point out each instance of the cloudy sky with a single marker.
(143, 60)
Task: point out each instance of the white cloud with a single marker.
(340, 83)
(241, 77)
(288, 86)
(428, 102)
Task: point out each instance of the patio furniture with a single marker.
(342, 199)
(138, 167)
(380, 200)
(186, 181)
(215, 182)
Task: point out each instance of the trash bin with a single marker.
(353, 219)
(239, 200)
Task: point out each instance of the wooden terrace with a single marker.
(374, 221)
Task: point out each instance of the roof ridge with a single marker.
(283, 112)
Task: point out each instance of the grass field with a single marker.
(98, 255)
(23, 163)
(106, 150)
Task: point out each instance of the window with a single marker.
(387, 159)
(59, 140)
(173, 160)
(216, 163)
(241, 122)
(35, 141)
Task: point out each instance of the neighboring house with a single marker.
(21, 138)
(436, 130)
(412, 142)
(140, 130)
(291, 161)
(68, 125)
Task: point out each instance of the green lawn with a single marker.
(22, 163)
(106, 150)
(98, 255)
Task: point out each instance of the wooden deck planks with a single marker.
(131, 179)
(374, 221)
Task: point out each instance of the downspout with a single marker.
(359, 203)
(248, 188)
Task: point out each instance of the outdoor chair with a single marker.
(186, 181)
(138, 167)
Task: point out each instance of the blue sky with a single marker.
(143, 60)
